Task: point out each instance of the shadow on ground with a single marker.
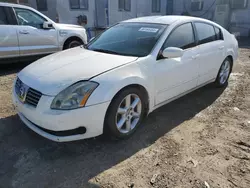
(11, 68)
(28, 160)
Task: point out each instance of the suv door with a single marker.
(8, 36)
(177, 75)
(33, 39)
(211, 50)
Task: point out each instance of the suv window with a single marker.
(218, 33)
(3, 17)
(205, 33)
(182, 37)
(30, 18)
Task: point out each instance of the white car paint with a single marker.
(164, 80)
(26, 40)
(53, 73)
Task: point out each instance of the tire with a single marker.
(224, 73)
(73, 44)
(115, 119)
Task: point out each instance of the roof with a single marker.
(13, 5)
(168, 20)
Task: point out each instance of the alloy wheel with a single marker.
(128, 113)
(224, 72)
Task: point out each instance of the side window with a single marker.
(3, 17)
(29, 18)
(205, 33)
(182, 37)
(218, 33)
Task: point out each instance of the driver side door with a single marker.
(176, 76)
(33, 39)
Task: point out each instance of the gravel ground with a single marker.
(200, 140)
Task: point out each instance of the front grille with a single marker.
(31, 96)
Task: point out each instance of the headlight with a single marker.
(75, 96)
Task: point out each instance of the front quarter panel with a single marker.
(115, 80)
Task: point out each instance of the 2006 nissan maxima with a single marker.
(124, 74)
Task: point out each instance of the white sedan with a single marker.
(124, 74)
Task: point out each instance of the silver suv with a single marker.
(26, 33)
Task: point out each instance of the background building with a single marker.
(234, 15)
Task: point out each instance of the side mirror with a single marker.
(172, 52)
(47, 25)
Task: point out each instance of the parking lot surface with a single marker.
(201, 139)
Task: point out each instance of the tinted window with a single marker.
(3, 17)
(30, 18)
(182, 37)
(218, 34)
(129, 39)
(205, 33)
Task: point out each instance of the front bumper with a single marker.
(42, 118)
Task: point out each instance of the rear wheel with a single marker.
(125, 113)
(224, 73)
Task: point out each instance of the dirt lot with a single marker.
(200, 140)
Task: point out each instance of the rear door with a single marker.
(8, 35)
(211, 51)
(33, 39)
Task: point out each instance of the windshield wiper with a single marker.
(106, 51)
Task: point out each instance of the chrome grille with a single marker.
(31, 97)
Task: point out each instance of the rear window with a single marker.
(3, 17)
(205, 33)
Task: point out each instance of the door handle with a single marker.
(25, 32)
(221, 48)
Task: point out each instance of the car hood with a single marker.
(52, 74)
(68, 26)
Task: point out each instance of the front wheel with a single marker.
(224, 73)
(125, 113)
(73, 44)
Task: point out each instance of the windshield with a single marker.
(129, 39)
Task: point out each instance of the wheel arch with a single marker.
(112, 86)
(71, 38)
(135, 85)
(230, 57)
(138, 86)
